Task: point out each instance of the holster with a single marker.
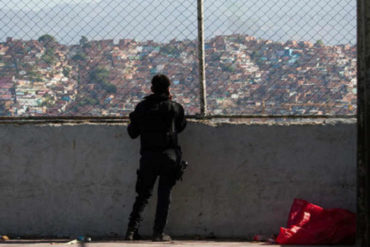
(180, 164)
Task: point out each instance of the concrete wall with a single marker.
(67, 180)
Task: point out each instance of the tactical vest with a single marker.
(157, 126)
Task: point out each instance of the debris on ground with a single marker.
(311, 224)
(74, 241)
(84, 238)
(263, 238)
(81, 238)
(272, 239)
(4, 238)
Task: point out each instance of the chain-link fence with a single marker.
(96, 58)
(286, 57)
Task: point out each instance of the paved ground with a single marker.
(185, 243)
(68, 243)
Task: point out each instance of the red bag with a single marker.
(311, 224)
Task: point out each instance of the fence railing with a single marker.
(261, 58)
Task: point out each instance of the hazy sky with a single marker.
(333, 21)
(37, 4)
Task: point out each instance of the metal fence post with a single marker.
(363, 122)
(202, 72)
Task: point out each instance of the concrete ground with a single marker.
(181, 243)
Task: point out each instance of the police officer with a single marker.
(157, 120)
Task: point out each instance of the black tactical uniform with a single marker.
(156, 120)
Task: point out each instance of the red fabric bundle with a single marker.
(311, 224)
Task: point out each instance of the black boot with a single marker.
(133, 235)
(161, 237)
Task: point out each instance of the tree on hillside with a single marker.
(319, 43)
(170, 50)
(110, 88)
(100, 76)
(80, 56)
(47, 40)
(87, 100)
(66, 71)
(84, 42)
(49, 56)
(34, 75)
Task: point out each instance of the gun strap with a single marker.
(173, 129)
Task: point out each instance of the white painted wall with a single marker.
(68, 180)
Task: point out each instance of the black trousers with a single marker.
(153, 165)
